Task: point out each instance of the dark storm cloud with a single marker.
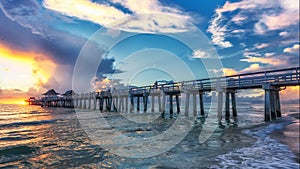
(35, 32)
(19, 31)
(106, 66)
(62, 47)
(24, 33)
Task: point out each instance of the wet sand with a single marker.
(289, 135)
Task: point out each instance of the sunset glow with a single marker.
(290, 93)
(19, 101)
(41, 41)
(22, 69)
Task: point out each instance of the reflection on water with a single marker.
(35, 137)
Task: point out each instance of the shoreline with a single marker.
(287, 135)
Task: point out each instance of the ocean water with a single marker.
(35, 137)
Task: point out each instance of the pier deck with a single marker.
(124, 100)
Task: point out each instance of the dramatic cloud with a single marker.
(102, 14)
(146, 16)
(288, 15)
(60, 46)
(219, 32)
(267, 15)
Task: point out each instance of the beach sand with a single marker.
(289, 135)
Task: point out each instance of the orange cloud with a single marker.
(293, 49)
(252, 68)
(101, 84)
(229, 71)
(22, 70)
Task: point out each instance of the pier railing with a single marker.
(124, 99)
(281, 77)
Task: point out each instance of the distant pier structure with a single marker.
(32, 101)
(170, 95)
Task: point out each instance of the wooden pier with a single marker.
(136, 99)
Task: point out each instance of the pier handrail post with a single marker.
(266, 77)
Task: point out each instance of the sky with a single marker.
(62, 44)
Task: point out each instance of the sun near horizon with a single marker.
(13, 101)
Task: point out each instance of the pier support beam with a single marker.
(201, 103)
(109, 103)
(95, 101)
(152, 105)
(277, 102)
(227, 108)
(159, 104)
(267, 105)
(177, 104)
(84, 101)
(187, 104)
(171, 105)
(101, 103)
(194, 105)
(227, 104)
(131, 103)
(233, 103)
(272, 102)
(80, 101)
(153, 95)
(121, 104)
(220, 105)
(126, 104)
(89, 100)
(145, 101)
(164, 104)
(194, 92)
(138, 104)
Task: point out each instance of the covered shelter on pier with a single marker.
(50, 98)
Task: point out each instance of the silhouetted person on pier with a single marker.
(155, 85)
